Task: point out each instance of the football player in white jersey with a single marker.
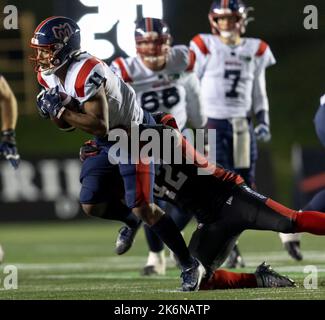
(107, 102)
(163, 80)
(232, 72)
(9, 113)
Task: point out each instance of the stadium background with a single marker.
(294, 87)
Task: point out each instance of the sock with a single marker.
(167, 231)
(310, 221)
(222, 279)
(154, 242)
(121, 213)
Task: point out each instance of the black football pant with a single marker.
(246, 210)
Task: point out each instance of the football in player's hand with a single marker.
(71, 104)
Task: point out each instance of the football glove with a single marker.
(49, 103)
(8, 149)
(88, 149)
(262, 132)
(39, 103)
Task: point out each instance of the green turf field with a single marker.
(75, 260)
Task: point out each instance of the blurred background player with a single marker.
(232, 73)
(163, 80)
(107, 103)
(9, 113)
(317, 203)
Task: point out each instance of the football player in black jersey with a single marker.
(224, 207)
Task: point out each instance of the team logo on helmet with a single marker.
(56, 41)
(63, 31)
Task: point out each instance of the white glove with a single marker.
(262, 132)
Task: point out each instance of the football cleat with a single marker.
(192, 276)
(266, 277)
(293, 248)
(235, 260)
(148, 271)
(125, 239)
(156, 264)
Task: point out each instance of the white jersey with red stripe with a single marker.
(83, 79)
(175, 89)
(232, 77)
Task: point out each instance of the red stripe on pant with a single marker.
(306, 221)
(222, 279)
(143, 184)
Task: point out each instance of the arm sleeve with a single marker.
(202, 53)
(194, 107)
(119, 67)
(260, 98)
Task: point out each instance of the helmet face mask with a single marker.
(153, 49)
(55, 41)
(44, 59)
(153, 42)
(226, 25)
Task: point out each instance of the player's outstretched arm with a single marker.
(8, 103)
(8, 106)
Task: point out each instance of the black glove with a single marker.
(8, 149)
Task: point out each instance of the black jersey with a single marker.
(186, 187)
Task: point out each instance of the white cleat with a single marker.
(156, 264)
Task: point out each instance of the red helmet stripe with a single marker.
(41, 81)
(261, 49)
(192, 59)
(149, 25)
(45, 21)
(83, 75)
(201, 45)
(124, 73)
(225, 4)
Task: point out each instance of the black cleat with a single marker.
(235, 260)
(192, 277)
(125, 239)
(293, 248)
(266, 277)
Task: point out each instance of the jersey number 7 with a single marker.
(233, 75)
